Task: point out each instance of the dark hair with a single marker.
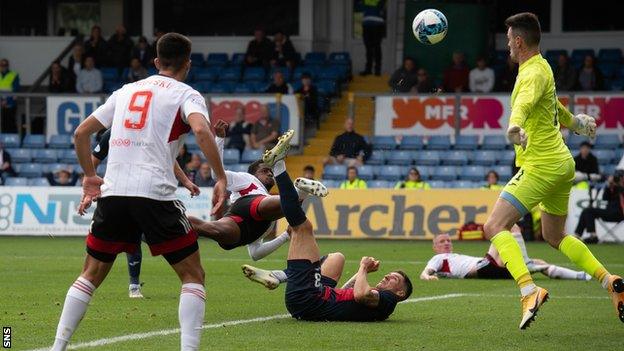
(306, 75)
(309, 168)
(409, 58)
(174, 50)
(586, 143)
(253, 168)
(526, 25)
(494, 173)
(352, 167)
(408, 285)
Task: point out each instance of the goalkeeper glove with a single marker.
(584, 125)
(518, 136)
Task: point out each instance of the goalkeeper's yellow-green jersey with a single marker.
(535, 108)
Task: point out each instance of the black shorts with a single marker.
(244, 212)
(305, 287)
(492, 270)
(120, 221)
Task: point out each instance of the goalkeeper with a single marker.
(546, 170)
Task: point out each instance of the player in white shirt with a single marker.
(448, 264)
(254, 211)
(148, 121)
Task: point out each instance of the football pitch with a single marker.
(35, 274)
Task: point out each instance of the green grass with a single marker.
(36, 272)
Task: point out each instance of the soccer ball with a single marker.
(430, 26)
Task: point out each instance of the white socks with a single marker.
(76, 303)
(520, 240)
(557, 272)
(280, 275)
(279, 167)
(191, 315)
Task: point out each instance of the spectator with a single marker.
(238, 132)
(456, 75)
(9, 82)
(353, 182)
(265, 131)
(63, 177)
(491, 179)
(613, 194)
(373, 30)
(120, 48)
(309, 94)
(589, 76)
(89, 79)
(423, 85)
(60, 80)
(349, 147)
(565, 74)
(136, 71)
(507, 77)
(308, 172)
(6, 167)
(76, 61)
(279, 85)
(204, 176)
(184, 157)
(96, 47)
(586, 166)
(259, 50)
(158, 33)
(284, 53)
(143, 52)
(413, 181)
(192, 167)
(405, 77)
(481, 77)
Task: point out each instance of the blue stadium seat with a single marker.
(613, 55)
(20, 155)
(238, 58)
(617, 84)
(427, 158)
(197, 59)
(109, 73)
(34, 141)
(296, 74)
(38, 182)
(331, 183)
(207, 74)
(259, 87)
(506, 157)
(60, 141)
(231, 156)
(607, 141)
(191, 142)
(412, 142)
(44, 155)
(315, 58)
(578, 55)
(379, 184)
(285, 72)
(608, 69)
(439, 184)
(619, 153)
(399, 157)
(67, 156)
(494, 142)
(455, 158)
(340, 57)
(335, 172)
(254, 74)
(439, 142)
(334, 73)
(552, 56)
(607, 170)
(604, 156)
(221, 87)
(250, 156)
(243, 88)
(218, 59)
(466, 142)
(504, 173)
(472, 173)
(53, 167)
(110, 86)
(240, 167)
(377, 157)
(446, 173)
(327, 87)
(465, 184)
(384, 142)
(30, 170)
(366, 172)
(16, 181)
(426, 172)
(574, 141)
(484, 157)
(390, 173)
(10, 140)
(229, 74)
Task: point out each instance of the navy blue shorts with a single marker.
(305, 286)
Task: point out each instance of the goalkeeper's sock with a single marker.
(75, 307)
(510, 253)
(578, 253)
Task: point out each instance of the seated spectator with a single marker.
(136, 71)
(192, 166)
(413, 181)
(60, 80)
(309, 94)
(481, 77)
(10, 83)
(279, 85)
(76, 61)
(491, 179)
(238, 131)
(6, 168)
(424, 85)
(89, 79)
(259, 50)
(284, 53)
(565, 74)
(353, 182)
(589, 76)
(96, 47)
(308, 172)
(613, 194)
(405, 77)
(184, 156)
(63, 177)
(120, 48)
(586, 166)
(349, 148)
(264, 132)
(204, 176)
(456, 75)
(507, 78)
(143, 52)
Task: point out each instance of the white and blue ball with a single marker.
(430, 26)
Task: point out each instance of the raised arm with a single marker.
(362, 291)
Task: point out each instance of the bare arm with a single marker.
(428, 274)
(350, 283)
(362, 292)
(96, 161)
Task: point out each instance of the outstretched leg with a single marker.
(224, 231)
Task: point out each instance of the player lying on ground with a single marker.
(254, 211)
(148, 120)
(99, 154)
(311, 292)
(546, 171)
(452, 265)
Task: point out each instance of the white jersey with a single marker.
(148, 121)
(453, 265)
